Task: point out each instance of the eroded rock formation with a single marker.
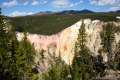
(63, 43)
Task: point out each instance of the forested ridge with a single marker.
(54, 23)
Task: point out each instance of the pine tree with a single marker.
(58, 70)
(107, 37)
(117, 57)
(25, 59)
(7, 51)
(82, 62)
(16, 58)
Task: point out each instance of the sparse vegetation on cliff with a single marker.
(83, 67)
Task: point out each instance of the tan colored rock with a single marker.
(63, 43)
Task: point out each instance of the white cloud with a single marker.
(44, 2)
(35, 3)
(18, 13)
(114, 8)
(60, 3)
(115, 4)
(105, 2)
(10, 3)
(75, 4)
(64, 3)
(25, 3)
(29, 13)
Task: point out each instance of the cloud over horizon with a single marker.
(115, 4)
(18, 13)
(64, 3)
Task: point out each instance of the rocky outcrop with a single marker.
(63, 43)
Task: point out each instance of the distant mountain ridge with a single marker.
(75, 11)
(66, 12)
(44, 13)
(118, 11)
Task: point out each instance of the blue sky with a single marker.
(28, 7)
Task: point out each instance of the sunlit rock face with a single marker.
(69, 37)
(41, 41)
(63, 43)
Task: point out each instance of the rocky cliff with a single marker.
(63, 43)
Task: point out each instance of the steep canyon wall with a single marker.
(63, 43)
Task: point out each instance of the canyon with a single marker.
(63, 43)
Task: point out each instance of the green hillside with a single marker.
(50, 24)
